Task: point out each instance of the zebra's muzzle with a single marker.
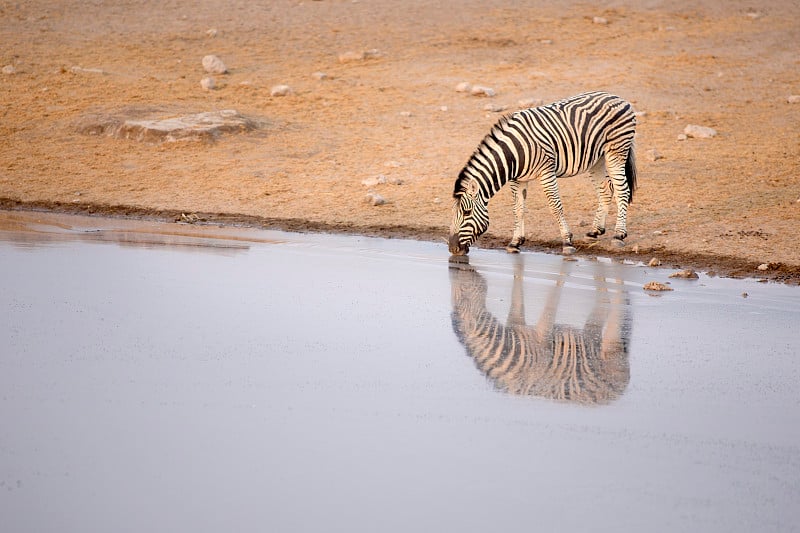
(455, 246)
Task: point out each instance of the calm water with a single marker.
(159, 377)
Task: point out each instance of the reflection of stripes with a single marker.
(557, 140)
(556, 361)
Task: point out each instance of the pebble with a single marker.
(653, 155)
(699, 132)
(319, 76)
(478, 90)
(656, 286)
(371, 182)
(9, 69)
(654, 262)
(530, 102)
(405, 114)
(682, 137)
(211, 32)
(685, 274)
(352, 56)
(214, 65)
(494, 108)
(600, 20)
(374, 199)
(793, 99)
(763, 267)
(463, 87)
(280, 90)
(393, 164)
(208, 84)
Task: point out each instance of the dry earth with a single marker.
(725, 204)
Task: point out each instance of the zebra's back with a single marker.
(575, 132)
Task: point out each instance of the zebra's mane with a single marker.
(464, 175)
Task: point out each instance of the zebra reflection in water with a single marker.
(586, 364)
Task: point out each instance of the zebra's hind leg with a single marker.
(519, 191)
(605, 193)
(616, 171)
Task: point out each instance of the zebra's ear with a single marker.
(471, 188)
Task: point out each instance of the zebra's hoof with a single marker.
(512, 248)
(594, 234)
(568, 249)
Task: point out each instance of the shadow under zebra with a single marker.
(587, 365)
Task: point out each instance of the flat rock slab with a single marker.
(205, 126)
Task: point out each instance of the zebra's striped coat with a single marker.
(583, 133)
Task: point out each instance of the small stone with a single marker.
(763, 267)
(9, 69)
(792, 99)
(685, 274)
(656, 286)
(393, 164)
(405, 114)
(208, 84)
(437, 200)
(374, 199)
(463, 87)
(745, 295)
(682, 137)
(494, 108)
(350, 57)
(600, 20)
(371, 182)
(211, 32)
(530, 102)
(699, 132)
(214, 65)
(280, 90)
(443, 108)
(545, 41)
(654, 262)
(477, 90)
(319, 76)
(653, 155)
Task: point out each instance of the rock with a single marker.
(443, 108)
(9, 69)
(352, 56)
(600, 20)
(374, 199)
(437, 200)
(526, 103)
(463, 87)
(349, 57)
(656, 286)
(477, 90)
(211, 32)
(319, 76)
(280, 90)
(654, 262)
(545, 41)
(405, 114)
(494, 108)
(699, 132)
(792, 99)
(763, 267)
(393, 164)
(214, 65)
(685, 274)
(144, 127)
(81, 70)
(371, 182)
(682, 137)
(207, 83)
(653, 155)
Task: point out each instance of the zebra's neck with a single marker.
(499, 159)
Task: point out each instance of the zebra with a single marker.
(587, 365)
(578, 134)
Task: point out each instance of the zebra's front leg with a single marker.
(519, 192)
(554, 202)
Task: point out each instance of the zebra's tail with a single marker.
(630, 173)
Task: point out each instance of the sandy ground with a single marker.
(725, 204)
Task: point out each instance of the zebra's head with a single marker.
(470, 217)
